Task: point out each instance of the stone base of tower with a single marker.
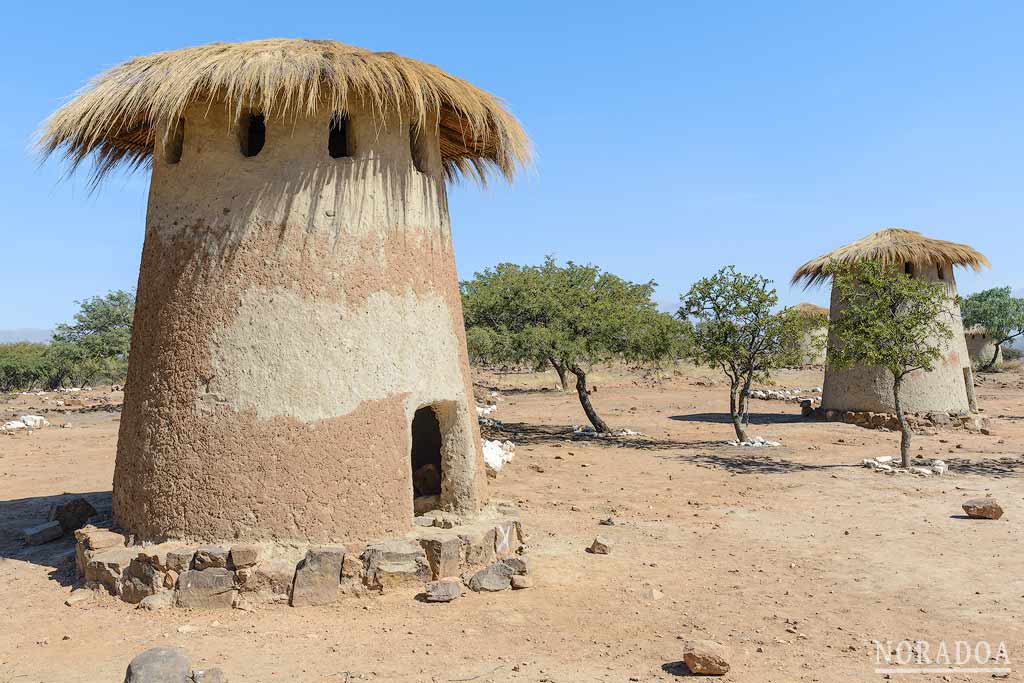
(485, 551)
(888, 421)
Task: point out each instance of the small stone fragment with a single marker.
(79, 596)
(210, 557)
(43, 533)
(139, 580)
(983, 508)
(445, 590)
(519, 564)
(170, 579)
(159, 665)
(521, 582)
(157, 601)
(705, 657)
(601, 546)
(209, 676)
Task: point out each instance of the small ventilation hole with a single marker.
(253, 134)
(416, 143)
(175, 143)
(337, 138)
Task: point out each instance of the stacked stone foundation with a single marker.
(889, 421)
(249, 575)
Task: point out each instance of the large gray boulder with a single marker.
(159, 665)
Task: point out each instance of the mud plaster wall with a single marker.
(981, 347)
(870, 389)
(293, 312)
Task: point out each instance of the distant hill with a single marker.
(25, 334)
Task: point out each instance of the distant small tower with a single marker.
(863, 389)
(298, 363)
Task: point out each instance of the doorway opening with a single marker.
(426, 460)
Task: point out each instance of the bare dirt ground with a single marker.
(796, 558)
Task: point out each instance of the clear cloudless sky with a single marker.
(671, 138)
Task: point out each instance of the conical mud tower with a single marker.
(298, 363)
(864, 389)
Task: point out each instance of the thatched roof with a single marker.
(892, 245)
(811, 309)
(113, 120)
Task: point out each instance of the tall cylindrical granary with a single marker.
(298, 368)
(869, 389)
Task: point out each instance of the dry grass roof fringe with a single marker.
(114, 119)
(892, 245)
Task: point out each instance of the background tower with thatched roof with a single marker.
(864, 389)
(298, 362)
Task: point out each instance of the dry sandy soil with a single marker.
(795, 557)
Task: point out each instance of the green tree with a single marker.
(737, 330)
(23, 365)
(570, 317)
(97, 343)
(999, 312)
(890, 320)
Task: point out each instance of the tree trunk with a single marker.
(905, 432)
(992, 362)
(735, 405)
(584, 394)
(563, 381)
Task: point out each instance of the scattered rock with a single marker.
(318, 577)
(922, 471)
(601, 546)
(518, 565)
(73, 515)
(497, 577)
(206, 589)
(35, 421)
(79, 596)
(607, 522)
(442, 591)
(159, 665)
(983, 508)
(157, 601)
(43, 533)
(705, 657)
(209, 676)
(520, 582)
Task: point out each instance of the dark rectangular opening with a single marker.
(426, 460)
(337, 137)
(175, 142)
(253, 134)
(416, 148)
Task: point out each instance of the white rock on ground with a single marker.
(496, 453)
(14, 425)
(35, 421)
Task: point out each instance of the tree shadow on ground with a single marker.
(59, 555)
(524, 434)
(755, 418)
(749, 463)
(1005, 466)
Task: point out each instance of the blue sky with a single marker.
(671, 139)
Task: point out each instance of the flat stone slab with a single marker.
(318, 577)
(206, 589)
(442, 591)
(210, 557)
(43, 533)
(395, 563)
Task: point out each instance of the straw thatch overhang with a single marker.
(892, 245)
(115, 119)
